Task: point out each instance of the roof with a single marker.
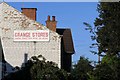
(67, 40)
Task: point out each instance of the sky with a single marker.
(69, 15)
(60, 0)
(50, 0)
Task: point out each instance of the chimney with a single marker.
(29, 12)
(51, 24)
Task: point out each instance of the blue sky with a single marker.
(69, 15)
(52, 0)
(60, 0)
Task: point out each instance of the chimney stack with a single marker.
(51, 24)
(29, 12)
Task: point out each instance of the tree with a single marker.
(114, 63)
(103, 72)
(37, 68)
(106, 34)
(42, 70)
(81, 69)
(106, 31)
(108, 27)
(93, 31)
(108, 69)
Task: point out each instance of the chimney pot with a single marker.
(48, 18)
(53, 18)
(51, 24)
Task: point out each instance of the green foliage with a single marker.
(93, 31)
(103, 72)
(108, 27)
(42, 70)
(110, 59)
(37, 68)
(81, 69)
(109, 69)
(106, 34)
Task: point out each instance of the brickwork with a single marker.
(30, 12)
(51, 24)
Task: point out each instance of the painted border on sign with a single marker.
(31, 35)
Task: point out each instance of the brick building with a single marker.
(58, 49)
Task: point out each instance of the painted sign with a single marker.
(31, 35)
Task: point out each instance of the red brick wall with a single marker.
(30, 12)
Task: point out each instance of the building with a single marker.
(2, 62)
(58, 49)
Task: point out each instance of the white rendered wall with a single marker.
(14, 51)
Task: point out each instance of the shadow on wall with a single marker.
(5, 69)
(8, 68)
(18, 74)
